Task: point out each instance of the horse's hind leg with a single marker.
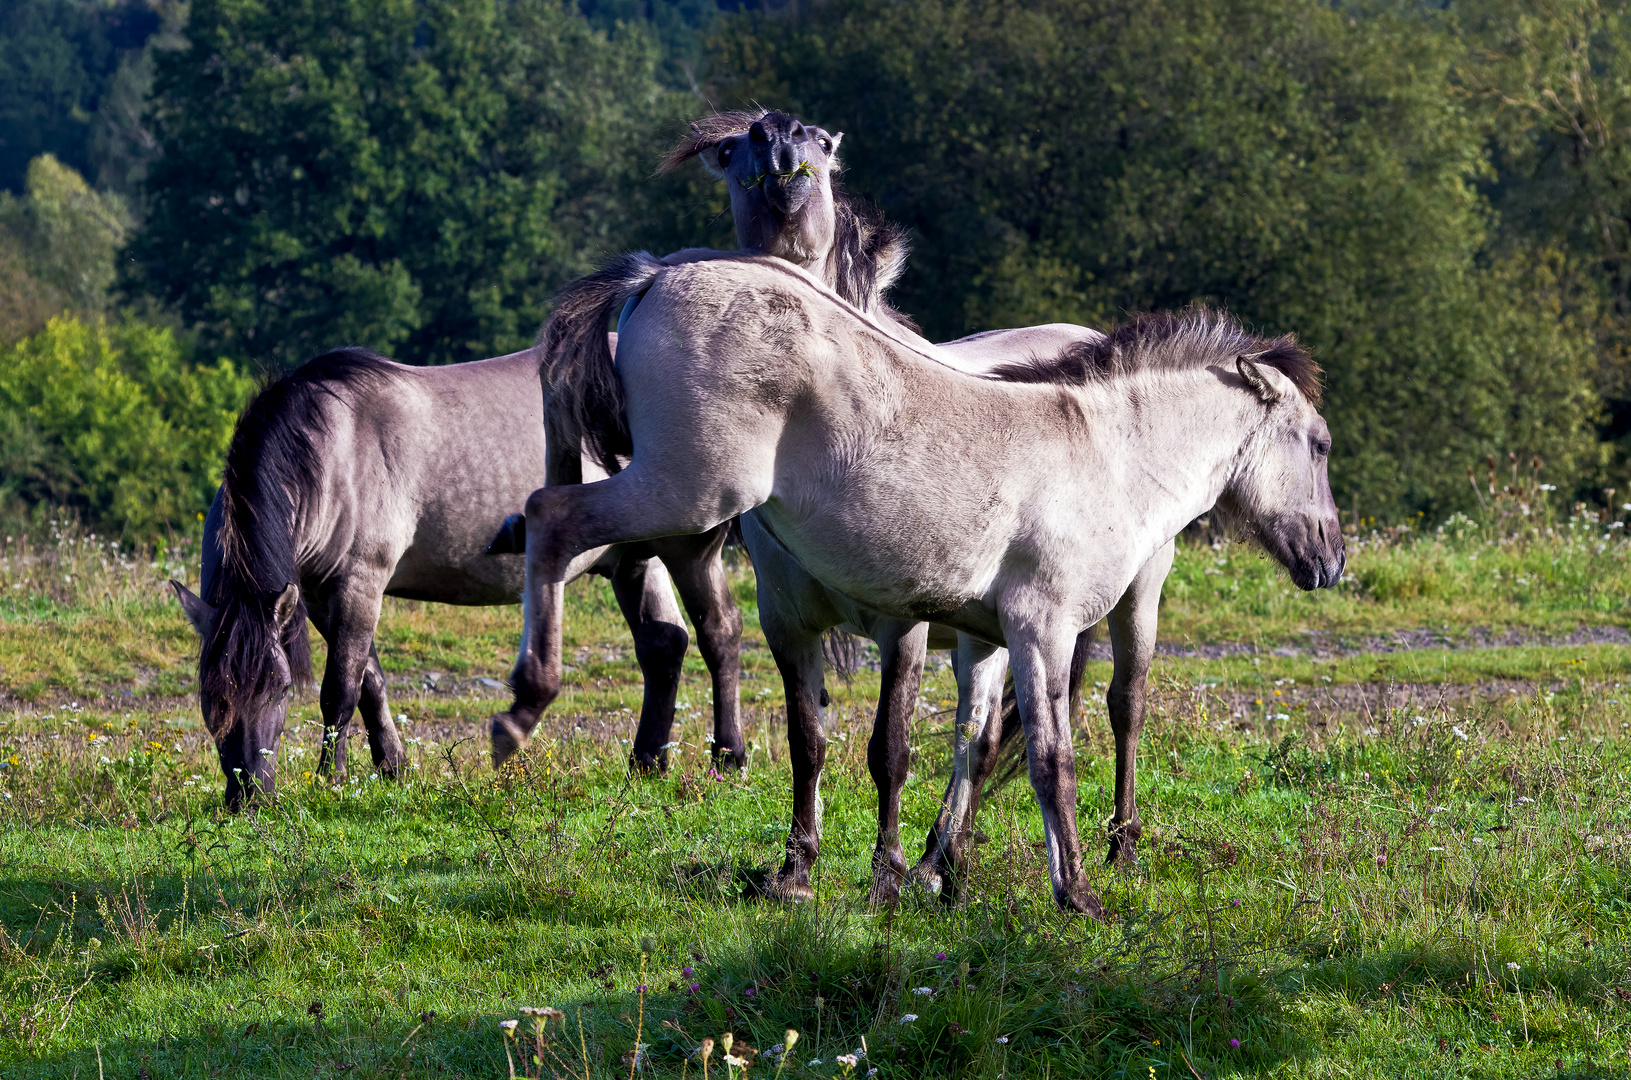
(902, 647)
(798, 655)
(638, 503)
(699, 574)
(996, 741)
(980, 670)
(1132, 643)
(647, 600)
(1040, 657)
(384, 743)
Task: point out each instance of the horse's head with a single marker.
(253, 649)
(779, 172)
(1282, 486)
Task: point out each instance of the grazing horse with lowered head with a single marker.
(355, 478)
(1019, 515)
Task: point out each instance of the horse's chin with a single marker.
(1310, 561)
(789, 196)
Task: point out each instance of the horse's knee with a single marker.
(660, 646)
(535, 683)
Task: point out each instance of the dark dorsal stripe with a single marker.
(1197, 337)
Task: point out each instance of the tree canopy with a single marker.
(1313, 170)
(417, 177)
(1432, 196)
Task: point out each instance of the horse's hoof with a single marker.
(777, 887)
(926, 875)
(507, 739)
(1081, 899)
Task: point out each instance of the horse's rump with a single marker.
(583, 400)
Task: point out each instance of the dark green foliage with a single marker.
(681, 28)
(414, 177)
(59, 62)
(1311, 170)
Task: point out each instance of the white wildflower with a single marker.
(908, 1018)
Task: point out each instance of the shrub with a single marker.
(114, 422)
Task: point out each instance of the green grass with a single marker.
(1335, 878)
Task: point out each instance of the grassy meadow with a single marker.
(1388, 833)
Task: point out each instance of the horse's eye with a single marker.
(826, 144)
(1322, 447)
(725, 154)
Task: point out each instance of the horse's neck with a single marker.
(1173, 438)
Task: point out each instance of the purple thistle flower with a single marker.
(1234, 903)
(687, 972)
(695, 987)
(940, 956)
(1234, 1044)
(641, 988)
(750, 991)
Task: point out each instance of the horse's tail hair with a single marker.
(1011, 746)
(583, 399)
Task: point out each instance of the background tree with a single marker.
(1312, 169)
(418, 177)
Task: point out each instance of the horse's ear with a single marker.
(197, 611)
(288, 602)
(837, 137)
(1259, 382)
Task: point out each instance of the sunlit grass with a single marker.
(1337, 881)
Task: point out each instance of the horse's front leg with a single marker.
(350, 617)
(1132, 644)
(1040, 657)
(384, 742)
(699, 575)
(902, 647)
(646, 598)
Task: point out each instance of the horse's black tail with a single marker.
(583, 400)
(1011, 746)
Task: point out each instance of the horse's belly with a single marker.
(906, 573)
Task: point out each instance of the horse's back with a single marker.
(416, 471)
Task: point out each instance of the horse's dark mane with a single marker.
(1198, 336)
(273, 467)
(870, 250)
(870, 253)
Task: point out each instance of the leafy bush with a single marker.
(58, 245)
(113, 421)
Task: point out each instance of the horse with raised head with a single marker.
(774, 165)
(1017, 509)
